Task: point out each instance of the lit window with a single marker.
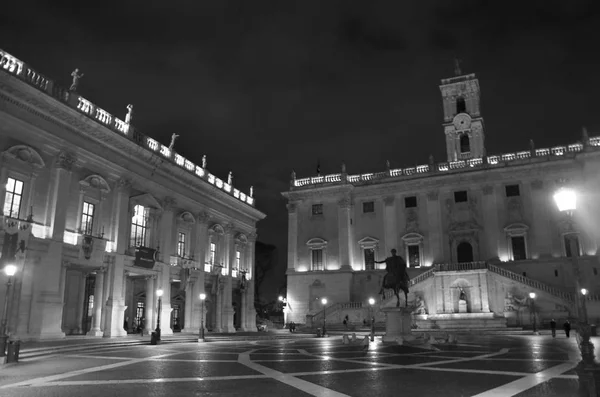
(238, 257)
(414, 255)
(368, 206)
(139, 227)
(567, 239)
(12, 200)
(369, 258)
(519, 248)
(139, 311)
(181, 245)
(317, 259)
(87, 218)
(213, 253)
(317, 209)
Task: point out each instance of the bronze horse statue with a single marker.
(396, 278)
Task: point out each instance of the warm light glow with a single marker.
(159, 292)
(565, 199)
(532, 295)
(281, 298)
(202, 297)
(324, 301)
(503, 258)
(302, 269)
(10, 270)
(371, 301)
(584, 291)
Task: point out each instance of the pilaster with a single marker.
(60, 194)
(344, 233)
(227, 308)
(47, 310)
(390, 220)
(98, 304)
(150, 305)
(165, 314)
(541, 228)
(495, 239)
(435, 235)
(121, 216)
(115, 304)
(292, 235)
(201, 247)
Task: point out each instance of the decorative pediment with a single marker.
(146, 200)
(25, 154)
(468, 226)
(368, 242)
(217, 229)
(241, 238)
(516, 229)
(95, 182)
(316, 243)
(186, 217)
(412, 238)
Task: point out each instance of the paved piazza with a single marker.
(483, 366)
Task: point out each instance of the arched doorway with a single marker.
(464, 252)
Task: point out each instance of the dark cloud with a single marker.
(265, 87)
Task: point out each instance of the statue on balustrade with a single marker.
(76, 76)
(172, 144)
(129, 115)
(463, 295)
(396, 277)
(419, 306)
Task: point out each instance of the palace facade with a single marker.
(483, 224)
(98, 218)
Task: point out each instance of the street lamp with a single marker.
(159, 293)
(201, 333)
(324, 302)
(371, 303)
(10, 271)
(532, 296)
(566, 201)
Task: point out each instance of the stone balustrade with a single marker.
(15, 67)
(543, 154)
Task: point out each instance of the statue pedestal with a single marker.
(462, 306)
(398, 321)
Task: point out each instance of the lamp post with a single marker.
(371, 303)
(201, 333)
(324, 302)
(10, 271)
(532, 297)
(588, 371)
(159, 293)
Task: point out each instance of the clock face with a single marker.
(462, 121)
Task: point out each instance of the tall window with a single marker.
(465, 144)
(461, 106)
(568, 238)
(317, 259)
(369, 258)
(414, 255)
(410, 202)
(213, 253)
(12, 200)
(461, 196)
(139, 311)
(512, 190)
(317, 209)
(238, 259)
(519, 249)
(368, 206)
(139, 226)
(181, 244)
(87, 218)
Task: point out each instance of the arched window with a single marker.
(461, 106)
(464, 252)
(465, 144)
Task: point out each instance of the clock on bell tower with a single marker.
(463, 124)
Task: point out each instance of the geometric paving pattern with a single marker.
(485, 366)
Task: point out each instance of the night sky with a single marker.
(264, 87)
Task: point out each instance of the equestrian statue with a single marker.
(396, 277)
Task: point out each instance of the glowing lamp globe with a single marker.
(159, 292)
(324, 301)
(10, 270)
(565, 199)
(281, 298)
(202, 297)
(584, 291)
(371, 301)
(532, 295)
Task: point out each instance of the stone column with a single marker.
(98, 303)
(495, 238)
(344, 233)
(82, 304)
(165, 313)
(227, 304)
(30, 196)
(248, 294)
(166, 231)
(189, 307)
(218, 304)
(390, 220)
(80, 209)
(436, 236)
(115, 304)
(150, 308)
(99, 214)
(3, 181)
(292, 235)
(201, 239)
(121, 216)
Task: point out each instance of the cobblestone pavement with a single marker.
(482, 366)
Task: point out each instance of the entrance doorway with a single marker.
(88, 304)
(464, 252)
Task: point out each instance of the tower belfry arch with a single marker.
(463, 124)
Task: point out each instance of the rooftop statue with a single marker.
(172, 144)
(129, 114)
(76, 76)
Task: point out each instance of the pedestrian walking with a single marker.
(553, 327)
(567, 327)
(346, 322)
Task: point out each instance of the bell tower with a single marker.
(463, 124)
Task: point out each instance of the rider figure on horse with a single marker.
(396, 277)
